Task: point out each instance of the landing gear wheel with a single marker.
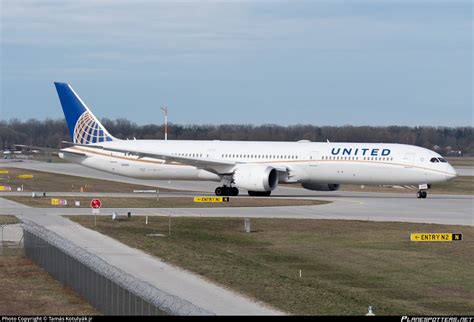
(226, 191)
(421, 194)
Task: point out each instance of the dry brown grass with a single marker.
(8, 220)
(459, 185)
(26, 289)
(461, 161)
(53, 182)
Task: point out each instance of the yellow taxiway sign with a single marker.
(435, 237)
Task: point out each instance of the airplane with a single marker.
(255, 166)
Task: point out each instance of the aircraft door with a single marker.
(210, 153)
(314, 155)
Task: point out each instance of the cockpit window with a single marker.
(442, 160)
(434, 160)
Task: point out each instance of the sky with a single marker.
(370, 62)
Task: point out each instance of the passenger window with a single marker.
(434, 160)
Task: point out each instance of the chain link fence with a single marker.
(107, 288)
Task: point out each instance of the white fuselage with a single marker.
(331, 163)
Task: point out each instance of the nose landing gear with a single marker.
(421, 194)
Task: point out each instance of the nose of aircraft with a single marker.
(450, 172)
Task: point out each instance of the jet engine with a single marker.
(320, 186)
(255, 177)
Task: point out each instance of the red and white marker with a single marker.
(96, 203)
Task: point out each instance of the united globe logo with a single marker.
(88, 130)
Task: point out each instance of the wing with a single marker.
(216, 166)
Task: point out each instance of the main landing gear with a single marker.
(226, 191)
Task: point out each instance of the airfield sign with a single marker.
(96, 203)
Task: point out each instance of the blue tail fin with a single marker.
(84, 127)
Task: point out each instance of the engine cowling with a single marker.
(255, 177)
(320, 186)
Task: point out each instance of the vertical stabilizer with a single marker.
(83, 126)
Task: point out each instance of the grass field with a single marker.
(346, 265)
(29, 290)
(8, 220)
(461, 161)
(458, 185)
(165, 202)
(46, 181)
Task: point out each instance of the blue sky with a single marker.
(332, 62)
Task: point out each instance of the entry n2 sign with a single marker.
(96, 203)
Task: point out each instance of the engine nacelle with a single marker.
(255, 177)
(320, 186)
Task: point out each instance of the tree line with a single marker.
(50, 133)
